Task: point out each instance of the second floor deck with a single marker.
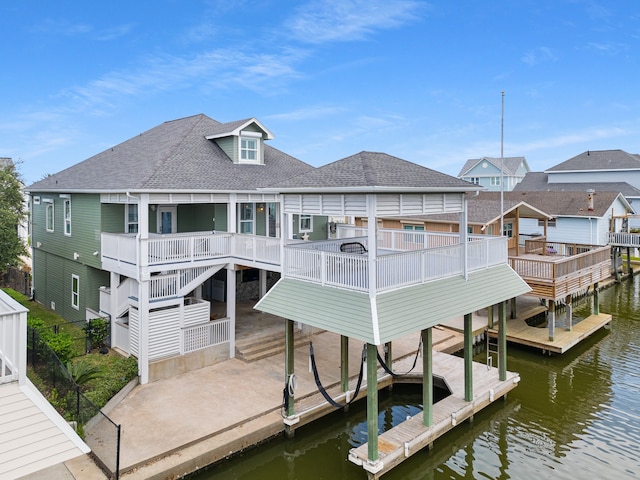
(401, 259)
(555, 270)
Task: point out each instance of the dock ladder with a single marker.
(492, 350)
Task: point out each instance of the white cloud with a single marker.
(539, 55)
(343, 20)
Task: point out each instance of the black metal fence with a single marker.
(56, 383)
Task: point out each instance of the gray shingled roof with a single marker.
(538, 182)
(373, 171)
(599, 160)
(509, 167)
(560, 203)
(173, 156)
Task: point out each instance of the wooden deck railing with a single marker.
(553, 276)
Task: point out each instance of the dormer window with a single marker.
(250, 147)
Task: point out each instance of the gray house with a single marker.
(495, 174)
(153, 231)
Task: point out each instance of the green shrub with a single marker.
(97, 331)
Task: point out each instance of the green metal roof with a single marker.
(393, 314)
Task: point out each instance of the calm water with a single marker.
(573, 416)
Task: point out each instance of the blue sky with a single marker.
(415, 79)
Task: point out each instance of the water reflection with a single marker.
(573, 416)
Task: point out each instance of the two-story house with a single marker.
(151, 231)
(495, 174)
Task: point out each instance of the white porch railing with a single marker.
(623, 239)
(13, 340)
(188, 248)
(205, 335)
(322, 262)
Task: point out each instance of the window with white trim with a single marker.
(246, 218)
(475, 180)
(507, 230)
(495, 181)
(67, 216)
(409, 226)
(49, 215)
(75, 292)
(250, 147)
(131, 220)
(305, 224)
(550, 223)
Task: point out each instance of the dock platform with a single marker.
(520, 333)
(411, 436)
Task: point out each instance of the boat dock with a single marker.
(519, 332)
(411, 436)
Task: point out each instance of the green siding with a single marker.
(400, 312)
(196, 218)
(415, 308)
(337, 310)
(222, 222)
(230, 146)
(112, 218)
(320, 225)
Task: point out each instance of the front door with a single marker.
(167, 219)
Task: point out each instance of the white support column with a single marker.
(464, 237)
(232, 214)
(114, 301)
(143, 334)
(231, 309)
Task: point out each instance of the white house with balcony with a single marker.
(33, 435)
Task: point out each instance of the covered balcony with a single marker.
(126, 252)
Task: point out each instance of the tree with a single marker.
(12, 214)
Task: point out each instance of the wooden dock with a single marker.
(411, 436)
(520, 333)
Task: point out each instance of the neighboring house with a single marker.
(33, 435)
(151, 231)
(579, 217)
(495, 174)
(604, 170)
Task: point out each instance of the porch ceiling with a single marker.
(392, 314)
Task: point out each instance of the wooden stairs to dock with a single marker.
(254, 348)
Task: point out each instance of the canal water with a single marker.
(573, 416)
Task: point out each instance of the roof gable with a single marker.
(234, 129)
(508, 165)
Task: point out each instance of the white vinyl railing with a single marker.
(624, 239)
(188, 248)
(13, 340)
(322, 262)
(205, 335)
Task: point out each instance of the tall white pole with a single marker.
(502, 169)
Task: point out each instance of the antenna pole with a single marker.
(502, 169)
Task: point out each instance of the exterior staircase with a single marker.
(255, 348)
